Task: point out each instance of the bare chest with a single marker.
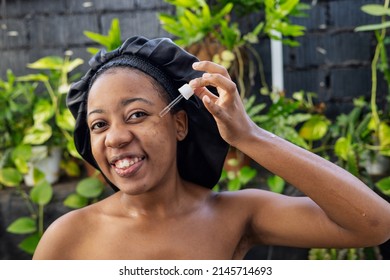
(173, 239)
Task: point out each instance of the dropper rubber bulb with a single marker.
(186, 91)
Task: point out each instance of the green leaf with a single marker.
(20, 156)
(114, 34)
(33, 78)
(66, 121)
(30, 243)
(98, 38)
(37, 134)
(193, 19)
(48, 62)
(384, 185)
(375, 10)
(93, 51)
(71, 65)
(276, 183)
(71, 168)
(43, 111)
(352, 163)
(41, 193)
(315, 128)
(23, 225)
(38, 175)
(373, 27)
(342, 147)
(384, 134)
(234, 184)
(90, 187)
(71, 147)
(75, 201)
(10, 177)
(224, 11)
(287, 7)
(246, 174)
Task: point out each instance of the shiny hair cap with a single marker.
(200, 156)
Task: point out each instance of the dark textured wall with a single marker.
(51, 27)
(333, 60)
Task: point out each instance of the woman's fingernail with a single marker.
(206, 75)
(206, 99)
(195, 65)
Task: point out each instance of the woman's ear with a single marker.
(181, 122)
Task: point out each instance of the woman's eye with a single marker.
(137, 115)
(97, 125)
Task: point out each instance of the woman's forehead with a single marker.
(119, 85)
(133, 78)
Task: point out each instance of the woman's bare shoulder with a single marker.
(67, 232)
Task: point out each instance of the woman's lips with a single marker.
(127, 166)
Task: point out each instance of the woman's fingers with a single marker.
(226, 106)
(216, 76)
(211, 67)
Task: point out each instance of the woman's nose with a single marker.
(118, 136)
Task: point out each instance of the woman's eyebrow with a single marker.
(97, 111)
(126, 102)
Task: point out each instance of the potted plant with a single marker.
(16, 107)
(50, 136)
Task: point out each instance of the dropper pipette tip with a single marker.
(185, 91)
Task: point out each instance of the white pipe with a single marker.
(277, 63)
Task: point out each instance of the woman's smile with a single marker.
(127, 166)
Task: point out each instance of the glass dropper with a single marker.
(185, 91)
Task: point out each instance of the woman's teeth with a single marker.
(125, 163)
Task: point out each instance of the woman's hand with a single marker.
(227, 108)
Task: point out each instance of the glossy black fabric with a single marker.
(202, 153)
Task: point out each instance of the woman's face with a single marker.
(134, 148)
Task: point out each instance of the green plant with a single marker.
(363, 135)
(36, 199)
(210, 29)
(379, 122)
(234, 181)
(295, 119)
(344, 254)
(351, 133)
(110, 41)
(87, 191)
(34, 117)
(16, 105)
(53, 123)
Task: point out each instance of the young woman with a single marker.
(163, 169)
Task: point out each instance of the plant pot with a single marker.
(206, 50)
(46, 159)
(378, 165)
